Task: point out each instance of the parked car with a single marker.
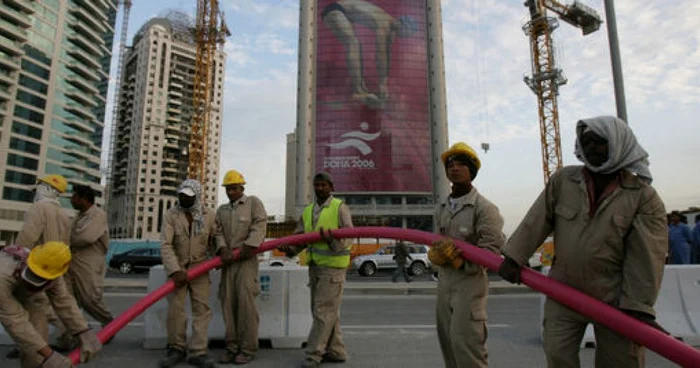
(136, 259)
(383, 258)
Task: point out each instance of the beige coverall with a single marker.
(615, 254)
(23, 314)
(180, 251)
(462, 293)
(326, 286)
(44, 222)
(243, 222)
(85, 278)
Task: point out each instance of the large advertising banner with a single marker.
(372, 103)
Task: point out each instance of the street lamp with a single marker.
(615, 60)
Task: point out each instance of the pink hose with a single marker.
(637, 331)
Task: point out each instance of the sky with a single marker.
(486, 57)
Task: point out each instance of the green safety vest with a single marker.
(319, 252)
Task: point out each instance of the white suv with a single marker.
(383, 258)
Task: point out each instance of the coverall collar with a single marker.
(238, 201)
(468, 199)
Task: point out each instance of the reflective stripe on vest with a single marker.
(319, 252)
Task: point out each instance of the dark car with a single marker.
(136, 259)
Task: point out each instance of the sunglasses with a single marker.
(33, 279)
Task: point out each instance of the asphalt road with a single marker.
(380, 331)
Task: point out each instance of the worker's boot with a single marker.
(173, 357)
(201, 361)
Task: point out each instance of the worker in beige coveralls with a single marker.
(187, 229)
(462, 285)
(328, 262)
(89, 241)
(610, 242)
(46, 221)
(241, 224)
(27, 277)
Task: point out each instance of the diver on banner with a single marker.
(340, 16)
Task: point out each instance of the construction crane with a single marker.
(546, 77)
(210, 31)
(126, 9)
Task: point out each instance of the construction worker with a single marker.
(25, 275)
(185, 243)
(241, 224)
(462, 285)
(610, 241)
(328, 262)
(89, 241)
(46, 221)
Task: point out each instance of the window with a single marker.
(22, 145)
(32, 84)
(25, 129)
(30, 99)
(33, 116)
(21, 161)
(15, 194)
(35, 69)
(19, 178)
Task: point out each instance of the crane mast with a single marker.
(210, 30)
(126, 9)
(546, 78)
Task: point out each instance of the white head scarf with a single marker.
(624, 152)
(196, 209)
(46, 193)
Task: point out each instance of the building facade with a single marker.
(54, 71)
(152, 132)
(371, 109)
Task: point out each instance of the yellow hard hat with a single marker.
(461, 148)
(58, 182)
(233, 177)
(49, 261)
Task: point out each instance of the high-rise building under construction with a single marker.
(54, 71)
(371, 109)
(152, 132)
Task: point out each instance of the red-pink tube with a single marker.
(635, 330)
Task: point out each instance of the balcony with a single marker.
(88, 32)
(19, 17)
(9, 62)
(26, 5)
(94, 10)
(83, 42)
(85, 58)
(80, 97)
(3, 109)
(80, 110)
(6, 93)
(9, 46)
(79, 124)
(12, 31)
(84, 16)
(80, 82)
(78, 140)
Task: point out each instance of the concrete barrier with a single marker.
(283, 305)
(677, 307)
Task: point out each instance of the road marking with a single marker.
(406, 327)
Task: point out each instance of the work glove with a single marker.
(327, 236)
(453, 254)
(89, 345)
(288, 250)
(435, 254)
(645, 318)
(246, 253)
(56, 360)
(510, 270)
(179, 278)
(226, 256)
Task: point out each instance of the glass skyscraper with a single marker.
(54, 71)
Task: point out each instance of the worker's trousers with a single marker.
(564, 330)
(326, 286)
(237, 291)
(36, 308)
(86, 283)
(461, 316)
(198, 289)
